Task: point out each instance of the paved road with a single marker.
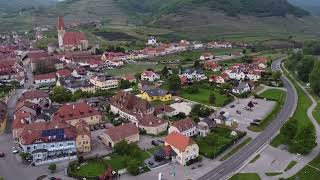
(235, 163)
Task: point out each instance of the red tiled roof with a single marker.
(45, 76)
(179, 141)
(163, 108)
(34, 132)
(151, 121)
(19, 121)
(184, 124)
(63, 73)
(73, 38)
(75, 111)
(32, 94)
(148, 73)
(121, 132)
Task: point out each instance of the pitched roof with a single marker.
(63, 73)
(75, 111)
(73, 38)
(184, 124)
(156, 92)
(45, 76)
(121, 132)
(32, 94)
(47, 132)
(149, 73)
(163, 108)
(20, 119)
(179, 141)
(151, 121)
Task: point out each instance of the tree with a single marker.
(199, 110)
(314, 78)
(61, 94)
(174, 82)
(165, 71)
(137, 75)
(312, 48)
(212, 99)
(244, 51)
(52, 167)
(125, 84)
(43, 68)
(276, 75)
(305, 67)
(196, 63)
(133, 167)
(247, 59)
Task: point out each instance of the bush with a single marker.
(52, 167)
(133, 167)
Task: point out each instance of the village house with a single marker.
(79, 73)
(44, 141)
(130, 107)
(63, 73)
(217, 79)
(45, 79)
(129, 77)
(184, 147)
(212, 66)
(20, 119)
(71, 40)
(150, 76)
(104, 82)
(10, 70)
(152, 41)
(83, 140)
(207, 56)
(74, 112)
(186, 127)
(3, 117)
(164, 110)
(155, 94)
(243, 87)
(128, 132)
(205, 126)
(262, 62)
(35, 96)
(194, 74)
(152, 124)
(73, 84)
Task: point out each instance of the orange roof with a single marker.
(179, 141)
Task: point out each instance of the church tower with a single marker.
(61, 31)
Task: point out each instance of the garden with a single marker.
(206, 94)
(217, 142)
(125, 156)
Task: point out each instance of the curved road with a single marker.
(235, 163)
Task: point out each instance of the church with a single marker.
(70, 40)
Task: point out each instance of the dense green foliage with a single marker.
(174, 83)
(312, 48)
(230, 7)
(314, 78)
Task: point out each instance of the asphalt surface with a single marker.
(237, 161)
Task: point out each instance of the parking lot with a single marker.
(244, 116)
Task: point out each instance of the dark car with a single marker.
(253, 124)
(161, 142)
(257, 120)
(232, 106)
(238, 112)
(155, 143)
(1, 154)
(150, 163)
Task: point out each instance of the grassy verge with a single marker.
(273, 173)
(255, 159)
(290, 165)
(245, 176)
(309, 172)
(236, 149)
(300, 113)
(275, 95)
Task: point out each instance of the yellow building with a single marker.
(156, 94)
(3, 117)
(83, 140)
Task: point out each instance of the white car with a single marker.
(14, 150)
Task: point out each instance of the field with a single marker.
(216, 142)
(202, 96)
(115, 36)
(309, 172)
(133, 69)
(246, 176)
(272, 94)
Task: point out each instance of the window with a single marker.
(52, 145)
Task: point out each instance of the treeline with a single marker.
(305, 65)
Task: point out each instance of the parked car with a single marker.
(2, 154)
(257, 120)
(238, 112)
(14, 150)
(253, 124)
(232, 106)
(155, 143)
(161, 142)
(150, 163)
(99, 137)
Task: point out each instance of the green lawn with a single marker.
(245, 176)
(308, 172)
(273, 173)
(290, 165)
(203, 96)
(236, 149)
(300, 113)
(255, 159)
(133, 69)
(275, 95)
(216, 142)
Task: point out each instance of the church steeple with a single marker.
(61, 30)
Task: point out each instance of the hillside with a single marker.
(176, 19)
(311, 5)
(8, 6)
